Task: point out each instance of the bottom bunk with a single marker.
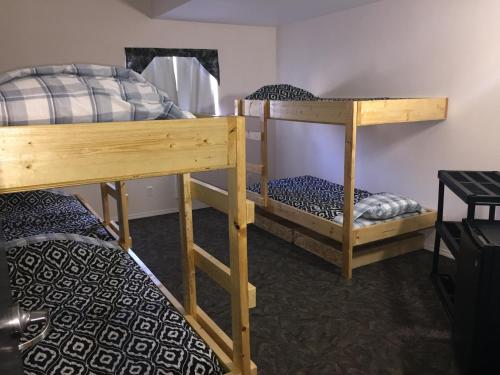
(107, 314)
(308, 211)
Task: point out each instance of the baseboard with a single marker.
(166, 211)
(141, 215)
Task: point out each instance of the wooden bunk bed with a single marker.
(352, 114)
(37, 157)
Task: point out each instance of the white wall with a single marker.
(400, 48)
(34, 32)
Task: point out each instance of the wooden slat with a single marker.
(397, 111)
(255, 168)
(339, 112)
(220, 337)
(187, 244)
(106, 216)
(297, 216)
(220, 273)
(238, 252)
(393, 228)
(275, 225)
(349, 183)
(122, 208)
(110, 189)
(47, 156)
(264, 174)
(217, 198)
(368, 254)
(115, 228)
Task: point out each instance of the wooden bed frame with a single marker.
(46, 156)
(351, 114)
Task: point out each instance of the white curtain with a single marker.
(186, 82)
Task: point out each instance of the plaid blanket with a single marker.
(80, 93)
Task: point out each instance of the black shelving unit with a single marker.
(474, 188)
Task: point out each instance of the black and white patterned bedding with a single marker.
(107, 316)
(37, 212)
(311, 194)
(284, 92)
(320, 197)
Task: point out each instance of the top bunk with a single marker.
(285, 102)
(79, 124)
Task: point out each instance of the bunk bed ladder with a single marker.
(234, 353)
(117, 191)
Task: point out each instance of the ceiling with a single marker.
(249, 12)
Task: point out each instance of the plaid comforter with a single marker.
(79, 93)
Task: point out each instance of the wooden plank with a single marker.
(238, 252)
(47, 156)
(187, 244)
(322, 112)
(349, 183)
(393, 228)
(264, 174)
(338, 112)
(255, 168)
(376, 252)
(110, 189)
(217, 198)
(397, 111)
(321, 246)
(220, 273)
(275, 225)
(300, 217)
(122, 207)
(330, 250)
(106, 216)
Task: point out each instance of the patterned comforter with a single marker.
(319, 197)
(80, 93)
(107, 315)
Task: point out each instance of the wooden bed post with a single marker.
(264, 176)
(349, 183)
(122, 207)
(106, 218)
(187, 244)
(237, 218)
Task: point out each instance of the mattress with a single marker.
(318, 197)
(285, 92)
(107, 315)
(41, 212)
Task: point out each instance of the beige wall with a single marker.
(34, 32)
(401, 48)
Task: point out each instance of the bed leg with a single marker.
(122, 207)
(106, 218)
(264, 177)
(349, 182)
(187, 244)
(238, 253)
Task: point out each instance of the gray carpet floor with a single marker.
(308, 320)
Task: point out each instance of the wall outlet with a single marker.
(149, 190)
